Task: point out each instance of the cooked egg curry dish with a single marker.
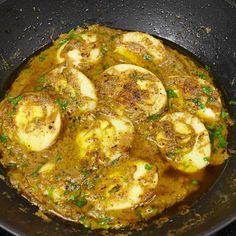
(109, 128)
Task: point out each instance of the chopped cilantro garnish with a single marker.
(62, 104)
(216, 134)
(154, 117)
(232, 102)
(72, 186)
(207, 90)
(148, 167)
(104, 220)
(42, 57)
(15, 100)
(147, 57)
(224, 115)
(35, 173)
(211, 99)
(80, 202)
(12, 165)
(206, 159)
(58, 157)
(206, 67)
(171, 93)
(198, 103)
(201, 75)
(195, 182)
(85, 173)
(39, 88)
(41, 79)
(106, 66)
(67, 39)
(178, 150)
(3, 138)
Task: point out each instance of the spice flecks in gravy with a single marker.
(108, 128)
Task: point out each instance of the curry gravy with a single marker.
(108, 128)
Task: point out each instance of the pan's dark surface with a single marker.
(205, 28)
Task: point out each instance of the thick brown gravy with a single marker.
(106, 145)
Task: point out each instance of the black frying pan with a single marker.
(206, 28)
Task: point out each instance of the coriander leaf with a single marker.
(12, 165)
(39, 88)
(104, 220)
(85, 173)
(195, 182)
(207, 90)
(72, 186)
(42, 57)
(198, 103)
(40, 79)
(206, 67)
(62, 104)
(171, 93)
(201, 75)
(224, 115)
(106, 66)
(80, 202)
(3, 138)
(147, 57)
(148, 167)
(35, 173)
(58, 157)
(211, 99)
(206, 159)
(154, 117)
(15, 100)
(216, 134)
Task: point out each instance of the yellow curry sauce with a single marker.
(109, 128)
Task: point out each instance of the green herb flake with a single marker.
(147, 57)
(3, 138)
(171, 93)
(216, 134)
(201, 75)
(12, 165)
(39, 88)
(35, 173)
(83, 220)
(178, 150)
(148, 167)
(72, 186)
(85, 173)
(40, 79)
(62, 104)
(58, 157)
(232, 102)
(211, 99)
(80, 202)
(42, 57)
(195, 182)
(224, 115)
(197, 102)
(70, 36)
(15, 100)
(106, 66)
(104, 220)
(154, 117)
(206, 67)
(207, 90)
(206, 159)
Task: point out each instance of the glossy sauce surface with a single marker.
(109, 128)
